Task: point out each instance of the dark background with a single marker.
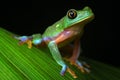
(27, 18)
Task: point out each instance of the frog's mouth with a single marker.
(87, 19)
(83, 22)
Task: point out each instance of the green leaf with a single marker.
(20, 63)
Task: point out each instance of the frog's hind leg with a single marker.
(75, 52)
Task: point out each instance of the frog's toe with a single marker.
(85, 64)
(71, 72)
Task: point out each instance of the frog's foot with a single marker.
(23, 40)
(67, 69)
(82, 66)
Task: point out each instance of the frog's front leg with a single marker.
(74, 59)
(56, 55)
(35, 39)
(24, 39)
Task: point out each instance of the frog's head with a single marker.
(78, 17)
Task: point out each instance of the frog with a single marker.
(63, 35)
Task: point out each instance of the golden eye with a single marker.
(72, 13)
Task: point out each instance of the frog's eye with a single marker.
(72, 13)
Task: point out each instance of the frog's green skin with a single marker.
(67, 29)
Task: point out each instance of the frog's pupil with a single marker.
(71, 14)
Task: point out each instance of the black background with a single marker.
(27, 18)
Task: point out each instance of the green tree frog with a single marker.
(58, 37)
